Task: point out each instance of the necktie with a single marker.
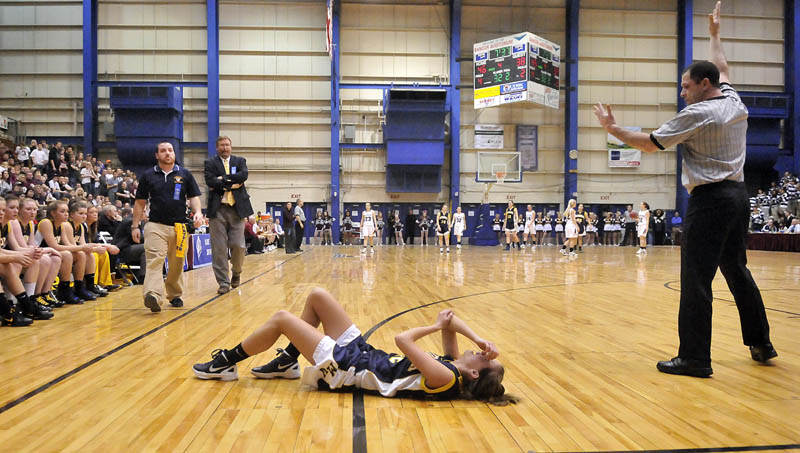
(227, 197)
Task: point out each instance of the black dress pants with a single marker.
(715, 236)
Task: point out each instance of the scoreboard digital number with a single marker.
(500, 67)
(522, 67)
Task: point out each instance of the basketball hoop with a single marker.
(500, 176)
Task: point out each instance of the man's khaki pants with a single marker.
(159, 243)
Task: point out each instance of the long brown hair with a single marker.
(487, 388)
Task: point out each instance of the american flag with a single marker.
(329, 29)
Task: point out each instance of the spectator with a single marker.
(39, 158)
(299, 225)
(109, 220)
(112, 185)
(130, 252)
(770, 226)
(23, 154)
(659, 227)
(5, 183)
(411, 224)
(254, 242)
(795, 227)
(287, 216)
(123, 194)
(87, 178)
(280, 238)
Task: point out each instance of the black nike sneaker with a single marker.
(9, 316)
(219, 368)
(52, 300)
(283, 366)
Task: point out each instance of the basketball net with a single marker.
(501, 176)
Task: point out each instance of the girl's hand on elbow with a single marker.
(444, 318)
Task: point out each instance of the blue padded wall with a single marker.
(143, 117)
(764, 133)
(414, 135)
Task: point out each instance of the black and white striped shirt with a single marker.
(714, 133)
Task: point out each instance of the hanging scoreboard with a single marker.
(522, 67)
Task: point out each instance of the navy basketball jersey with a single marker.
(28, 230)
(392, 374)
(444, 224)
(4, 237)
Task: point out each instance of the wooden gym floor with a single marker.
(579, 340)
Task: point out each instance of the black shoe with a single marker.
(12, 317)
(223, 290)
(80, 291)
(67, 295)
(685, 367)
(219, 368)
(151, 302)
(763, 352)
(111, 288)
(283, 366)
(236, 279)
(34, 310)
(52, 300)
(99, 290)
(43, 302)
(176, 302)
(85, 295)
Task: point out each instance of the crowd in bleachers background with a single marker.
(45, 173)
(775, 209)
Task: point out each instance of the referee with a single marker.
(167, 187)
(713, 130)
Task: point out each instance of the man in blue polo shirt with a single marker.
(167, 187)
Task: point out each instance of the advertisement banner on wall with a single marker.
(201, 253)
(621, 155)
(3, 122)
(488, 136)
(528, 147)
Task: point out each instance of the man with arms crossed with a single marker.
(228, 207)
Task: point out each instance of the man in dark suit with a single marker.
(287, 220)
(228, 207)
(129, 251)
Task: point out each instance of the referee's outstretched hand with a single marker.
(713, 20)
(604, 115)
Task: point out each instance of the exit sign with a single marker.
(605, 197)
(295, 195)
(510, 197)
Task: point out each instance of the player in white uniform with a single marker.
(459, 225)
(642, 227)
(528, 231)
(571, 230)
(368, 229)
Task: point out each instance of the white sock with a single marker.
(30, 288)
